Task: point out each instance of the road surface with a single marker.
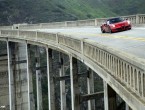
(131, 41)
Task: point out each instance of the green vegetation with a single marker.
(38, 11)
(126, 7)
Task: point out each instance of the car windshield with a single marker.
(115, 20)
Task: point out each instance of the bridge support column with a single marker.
(4, 82)
(106, 96)
(38, 80)
(75, 93)
(19, 81)
(62, 83)
(127, 107)
(51, 83)
(90, 83)
(111, 98)
(11, 78)
(31, 101)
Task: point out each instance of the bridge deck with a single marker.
(131, 41)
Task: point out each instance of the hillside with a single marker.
(38, 11)
(126, 7)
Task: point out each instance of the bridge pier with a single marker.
(4, 79)
(31, 100)
(127, 107)
(20, 87)
(90, 86)
(62, 83)
(106, 106)
(75, 93)
(109, 98)
(38, 79)
(51, 81)
(11, 77)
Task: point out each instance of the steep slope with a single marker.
(125, 7)
(37, 11)
(85, 8)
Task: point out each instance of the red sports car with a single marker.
(115, 25)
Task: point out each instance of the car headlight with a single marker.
(128, 22)
(112, 25)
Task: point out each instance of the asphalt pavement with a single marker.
(131, 41)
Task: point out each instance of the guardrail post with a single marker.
(82, 45)
(57, 39)
(36, 35)
(51, 84)
(38, 80)
(62, 83)
(75, 93)
(65, 23)
(40, 26)
(137, 19)
(96, 24)
(18, 33)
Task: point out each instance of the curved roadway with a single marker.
(131, 41)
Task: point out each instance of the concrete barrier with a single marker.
(6, 27)
(136, 20)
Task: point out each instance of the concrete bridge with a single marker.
(72, 66)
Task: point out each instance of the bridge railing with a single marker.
(6, 27)
(28, 26)
(72, 43)
(132, 18)
(141, 19)
(127, 69)
(53, 25)
(136, 20)
(100, 21)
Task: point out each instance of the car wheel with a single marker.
(102, 30)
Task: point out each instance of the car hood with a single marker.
(120, 23)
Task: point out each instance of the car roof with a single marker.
(112, 18)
